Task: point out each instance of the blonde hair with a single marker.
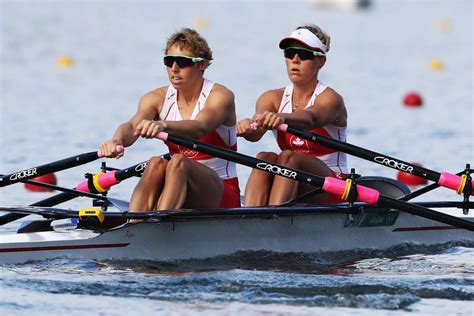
(192, 40)
(316, 30)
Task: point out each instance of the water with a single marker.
(376, 56)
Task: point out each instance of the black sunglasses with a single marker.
(303, 53)
(181, 61)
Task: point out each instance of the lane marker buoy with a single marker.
(64, 62)
(413, 99)
(49, 178)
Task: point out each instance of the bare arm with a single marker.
(219, 110)
(267, 102)
(125, 134)
(327, 109)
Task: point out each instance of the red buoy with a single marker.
(49, 178)
(413, 99)
(410, 179)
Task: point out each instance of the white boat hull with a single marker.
(216, 236)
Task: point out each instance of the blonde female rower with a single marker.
(191, 106)
(306, 103)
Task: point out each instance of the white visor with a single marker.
(305, 37)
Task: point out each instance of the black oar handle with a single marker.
(329, 184)
(48, 168)
(444, 179)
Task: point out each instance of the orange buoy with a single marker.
(49, 178)
(410, 179)
(412, 99)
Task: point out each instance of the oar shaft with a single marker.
(48, 168)
(82, 189)
(331, 185)
(444, 179)
(425, 212)
(363, 153)
(102, 182)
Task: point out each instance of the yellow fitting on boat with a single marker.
(88, 213)
(347, 189)
(95, 181)
(462, 184)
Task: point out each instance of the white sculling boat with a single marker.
(201, 234)
(377, 215)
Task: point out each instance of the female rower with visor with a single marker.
(193, 107)
(306, 103)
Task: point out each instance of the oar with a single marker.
(57, 213)
(100, 183)
(445, 179)
(328, 184)
(48, 168)
(42, 170)
(120, 204)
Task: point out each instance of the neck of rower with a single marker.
(187, 97)
(302, 93)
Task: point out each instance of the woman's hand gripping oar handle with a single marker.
(118, 149)
(445, 179)
(101, 181)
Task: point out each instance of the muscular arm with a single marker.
(148, 108)
(267, 102)
(327, 109)
(219, 110)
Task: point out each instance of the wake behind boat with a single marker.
(383, 218)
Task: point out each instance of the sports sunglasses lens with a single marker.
(182, 62)
(289, 53)
(168, 61)
(303, 54)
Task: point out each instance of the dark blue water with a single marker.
(402, 278)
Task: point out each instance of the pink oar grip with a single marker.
(83, 187)
(118, 148)
(162, 135)
(105, 181)
(451, 181)
(337, 187)
(282, 127)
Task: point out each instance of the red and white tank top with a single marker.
(334, 159)
(223, 136)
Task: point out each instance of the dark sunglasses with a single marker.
(303, 53)
(181, 61)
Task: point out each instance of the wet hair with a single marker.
(191, 40)
(316, 30)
